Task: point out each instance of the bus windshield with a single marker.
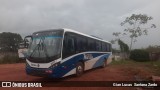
(45, 46)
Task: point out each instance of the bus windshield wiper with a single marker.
(40, 46)
(45, 49)
(37, 46)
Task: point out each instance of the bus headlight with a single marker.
(27, 65)
(48, 71)
(54, 65)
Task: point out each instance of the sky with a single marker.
(94, 17)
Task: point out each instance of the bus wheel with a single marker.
(79, 69)
(104, 64)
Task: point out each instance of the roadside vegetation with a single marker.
(142, 69)
(9, 44)
(8, 59)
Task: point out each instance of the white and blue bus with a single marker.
(62, 52)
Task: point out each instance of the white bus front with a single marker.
(44, 53)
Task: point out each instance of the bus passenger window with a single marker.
(105, 47)
(81, 44)
(91, 45)
(98, 46)
(70, 45)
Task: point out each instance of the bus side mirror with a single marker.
(27, 39)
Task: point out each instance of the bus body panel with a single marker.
(67, 67)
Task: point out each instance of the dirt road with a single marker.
(16, 72)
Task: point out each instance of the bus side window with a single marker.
(70, 45)
(104, 47)
(98, 46)
(81, 44)
(108, 47)
(91, 45)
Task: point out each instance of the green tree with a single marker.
(139, 55)
(117, 35)
(123, 47)
(9, 41)
(135, 26)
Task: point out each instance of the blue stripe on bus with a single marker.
(101, 60)
(67, 66)
(62, 69)
(70, 64)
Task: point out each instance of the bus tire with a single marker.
(104, 64)
(79, 69)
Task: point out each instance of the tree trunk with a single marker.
(131, 44)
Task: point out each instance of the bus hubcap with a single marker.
(79, 68)
(104, 64)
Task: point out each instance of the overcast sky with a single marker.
(94, 17)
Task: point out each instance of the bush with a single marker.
(10, 59)
(139, 55)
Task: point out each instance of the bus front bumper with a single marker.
(41, 72)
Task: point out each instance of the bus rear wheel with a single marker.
(79, 69)
(104, 64)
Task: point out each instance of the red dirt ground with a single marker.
(16, 72)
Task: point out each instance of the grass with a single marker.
(122, 62)
(8, 59)
(144, 69)
(131, 62)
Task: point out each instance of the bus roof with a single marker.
(70, 30)
(94, 37)
(49, 30)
